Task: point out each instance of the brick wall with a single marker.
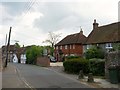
(43, 61)
(77, 50)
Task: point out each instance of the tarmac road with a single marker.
(31, 76)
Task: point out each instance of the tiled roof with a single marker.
(77, 38)
(105, 34)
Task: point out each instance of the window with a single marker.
(73, 46)
(70, 46)
(60, 47)
(108, 45)
(88, 46)
(65, 46)
(56, 47)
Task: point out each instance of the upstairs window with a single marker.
(60, 47)
(57, 47)
(70, 46)
(73, 46)
(65, 46)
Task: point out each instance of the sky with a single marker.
(32, 20)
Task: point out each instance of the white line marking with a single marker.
(23, 79)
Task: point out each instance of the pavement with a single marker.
(11, 78)
(98, 82)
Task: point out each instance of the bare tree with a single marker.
(52, 38)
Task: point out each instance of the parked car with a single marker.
(52, 59)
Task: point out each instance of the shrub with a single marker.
(94, 52)
(72, 57)
(97, 66)
(75, 65)
(32, 53)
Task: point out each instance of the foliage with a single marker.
(116, 46)
(50, 48)
(17, 45)
(72, 57)
(94, 52)
(32, 53)
(53, 38)
(119, 47)
(97, 66)
(75, 65)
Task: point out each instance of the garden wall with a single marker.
(112, 58)
(43, 61)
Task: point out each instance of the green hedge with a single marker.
(97, 67)
(72, 57)
(75, 65)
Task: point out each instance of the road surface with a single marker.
(32, 76)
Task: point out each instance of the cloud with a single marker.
(22, 28)
(32, 26)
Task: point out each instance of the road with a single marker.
(32, 76)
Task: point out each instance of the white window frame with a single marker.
(57, 47)
(73, 46)
(108, 45)
(65, 46)
(88, 46)
(60, 47)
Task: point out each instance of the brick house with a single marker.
(106, 37)
(71, 45)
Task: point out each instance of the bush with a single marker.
(97, 67)
(32, 53)
(72, 57)
(94, 52)
(75, 65)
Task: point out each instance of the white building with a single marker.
(23, 58)
(15, 59)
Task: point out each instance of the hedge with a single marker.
(97, 67)
(75, 65)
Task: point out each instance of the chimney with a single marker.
(81, 31)
(95, 25)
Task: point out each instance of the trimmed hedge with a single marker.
(72, 57)
(75, 65)
(97, 67)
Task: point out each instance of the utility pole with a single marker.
(6, 40)
(7, 49)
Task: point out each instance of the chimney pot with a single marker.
(95, 25)
(81, 31)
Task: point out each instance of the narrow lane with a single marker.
(41, 77)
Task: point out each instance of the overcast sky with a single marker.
(31, 20)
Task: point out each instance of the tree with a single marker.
(53, 38)
(17, 45)
(32, 53)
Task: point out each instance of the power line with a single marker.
(30, 6)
